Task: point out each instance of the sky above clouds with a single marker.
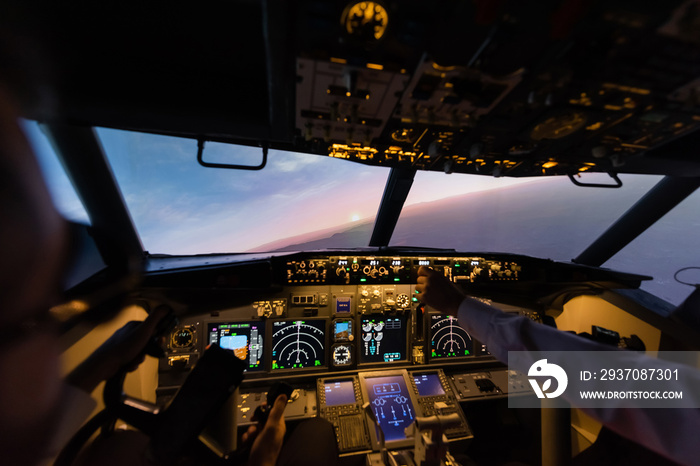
(179, 207)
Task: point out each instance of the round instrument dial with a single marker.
(182, 338)
(342, 355)
(403, 301)
(366, 20)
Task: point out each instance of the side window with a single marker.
(669, 245)
(62, 191)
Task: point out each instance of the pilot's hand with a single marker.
(438, 292)
(268, 443)
(124, 349)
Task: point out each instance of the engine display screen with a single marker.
(383, 339)
(245, 339)
(391, 403)
(298, 344)
(428, 384)
(339, 392)
(448, 339)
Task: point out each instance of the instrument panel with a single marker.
(345, 311)
(337, 328)
(351, 326)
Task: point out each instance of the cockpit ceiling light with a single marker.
(630, 89)
(340, 61)
(550, 164)
(443, 68)
(375, 66)
(65, 311)
(365, 20)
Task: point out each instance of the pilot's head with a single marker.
(32, 255)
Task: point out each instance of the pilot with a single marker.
(668, 432)
(32, 242)
(39, 410)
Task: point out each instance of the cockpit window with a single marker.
(304, 202)
(298, 201)
(669, 245)
(60, 187)
(550, 218)
(545, 217)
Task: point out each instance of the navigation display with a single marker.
(298, 344)
(448, 339)
(391, 403)
(383, 339)
(428, 384)
(245, 339)
(339, 392)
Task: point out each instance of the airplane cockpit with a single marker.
(274, 174)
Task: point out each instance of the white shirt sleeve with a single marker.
(669, 432)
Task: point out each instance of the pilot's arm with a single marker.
(665, 431)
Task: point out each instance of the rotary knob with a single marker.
(403, 301)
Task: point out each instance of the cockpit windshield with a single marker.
(307, 202)
(297, 202)
(180, 207)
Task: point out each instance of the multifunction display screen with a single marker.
(245, 339)
(428, 384)
(448, 339)
(339, 392)
(383, 339)
(298, 344)
(391, 403)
